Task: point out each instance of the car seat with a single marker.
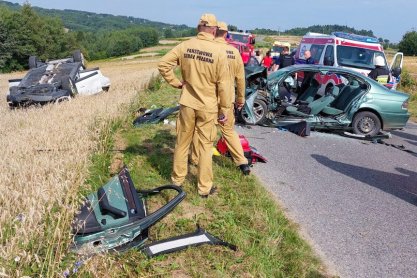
(316, 106)
(342, 101)
(308, 95)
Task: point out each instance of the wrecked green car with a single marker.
(331, 98)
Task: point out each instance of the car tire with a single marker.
(366, 123)
(62, 99)
(260, 108)
(33, 62)
(77, 56)
(69, 85)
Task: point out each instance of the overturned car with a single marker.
(331, 98)
(55, 81)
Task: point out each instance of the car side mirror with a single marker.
(396, 72)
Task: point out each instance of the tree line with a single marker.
(407, 45)
(24, 32)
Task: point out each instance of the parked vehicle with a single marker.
(55, 80)
(245, 52)
(347, 50)
(278, 47)
(244, 42)
(358, 103)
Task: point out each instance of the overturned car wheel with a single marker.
(77, 56)
(259, 111)
(33, 62)
(366, 123)
(62, 99)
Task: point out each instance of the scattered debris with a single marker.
(301, 128)
(250, 152)
(199, 237)
(20, 217)
(155, 116)
(115, 218)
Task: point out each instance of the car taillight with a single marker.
(405, 105)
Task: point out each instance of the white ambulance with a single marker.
(341, 49)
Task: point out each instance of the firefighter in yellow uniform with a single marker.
(203, 99)
(237, 74)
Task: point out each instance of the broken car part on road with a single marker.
(250, 152)
(155, 116)
(116, 218)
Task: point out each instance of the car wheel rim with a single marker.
(258, 112)
(366, 125)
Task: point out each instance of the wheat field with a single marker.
(46, 152)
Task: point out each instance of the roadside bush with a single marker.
(408, 45)
(408, 82)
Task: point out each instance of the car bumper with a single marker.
(394, 120)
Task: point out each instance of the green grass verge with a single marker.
(409, 85)
(242, 213)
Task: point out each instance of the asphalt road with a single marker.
(355, 201)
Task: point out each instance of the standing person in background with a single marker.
(285, 59)
(258, 55)
(245, 54)
(308, 58)
(267, 60)
(308, 75)
(204, 98)
(380, 73)
(236, 74)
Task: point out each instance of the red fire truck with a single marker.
(244, 42)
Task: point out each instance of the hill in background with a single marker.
(94, 22)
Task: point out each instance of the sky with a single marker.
(388, 19)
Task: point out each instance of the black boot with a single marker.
(245, 169)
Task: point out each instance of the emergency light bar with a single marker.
(354, 37)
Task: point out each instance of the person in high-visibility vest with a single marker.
(380, 73)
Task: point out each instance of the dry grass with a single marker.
(293, 40)
(410, 63)
(46, 153)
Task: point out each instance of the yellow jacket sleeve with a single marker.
(223, 84)
(240, 81)
(167, 64)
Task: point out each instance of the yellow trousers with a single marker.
(201, 123)
(232, 141)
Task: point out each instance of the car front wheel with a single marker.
(366, 123)
(259, 109)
